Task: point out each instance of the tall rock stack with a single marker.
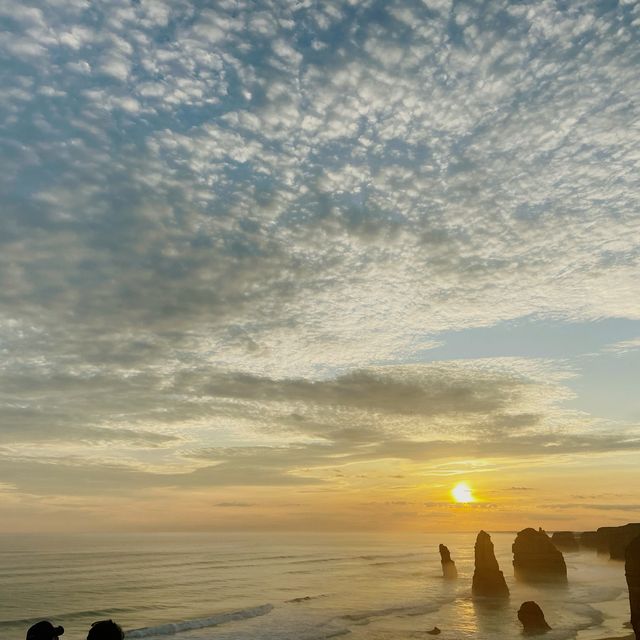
(632, 571)
(449, 570)
(488, 580)
(536, 559)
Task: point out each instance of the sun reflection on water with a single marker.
(466, 620)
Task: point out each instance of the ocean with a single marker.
(290, 587)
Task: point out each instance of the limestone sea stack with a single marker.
(488, 580)
(449, 570)
(532, 618)
(565, 540)
(632, 571)
(536, 558)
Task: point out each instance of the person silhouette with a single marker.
(105, 630)
(44, 630)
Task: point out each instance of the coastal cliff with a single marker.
(632, 572)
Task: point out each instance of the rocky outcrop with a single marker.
(589, 539)
(614, 540)
(532, 618)
(621, 538)
(565, 540)
(536, 559)
(488, 580)
(449, 570)
(632, 571)
(603, 538)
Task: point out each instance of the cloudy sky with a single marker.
(291, 264)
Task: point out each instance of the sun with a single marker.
(462, 493)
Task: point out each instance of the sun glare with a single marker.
(462, 493)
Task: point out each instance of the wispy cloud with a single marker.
(235, 430)
(597, 507)
(624, 346)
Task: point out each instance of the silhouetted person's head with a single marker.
(105, 630)
(44, 630)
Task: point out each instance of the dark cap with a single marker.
(44, 630)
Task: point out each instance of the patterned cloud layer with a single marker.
(234, 225)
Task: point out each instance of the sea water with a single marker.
(290, 587)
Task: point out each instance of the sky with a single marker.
(300, 265)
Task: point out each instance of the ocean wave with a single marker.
(399, 557)
(73, 615)
(363, 617)
(597, 593)
(306, 598)
(171, 628)
(334, 634)
(140, 561)
(393, 555)
(593, 616)
(298, 572)
(323, 560)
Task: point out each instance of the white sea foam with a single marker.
(171, 628)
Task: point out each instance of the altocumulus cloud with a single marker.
(217, 220)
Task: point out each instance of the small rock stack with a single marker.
(449, 570)
(532, 618)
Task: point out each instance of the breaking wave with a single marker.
(171, 628)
